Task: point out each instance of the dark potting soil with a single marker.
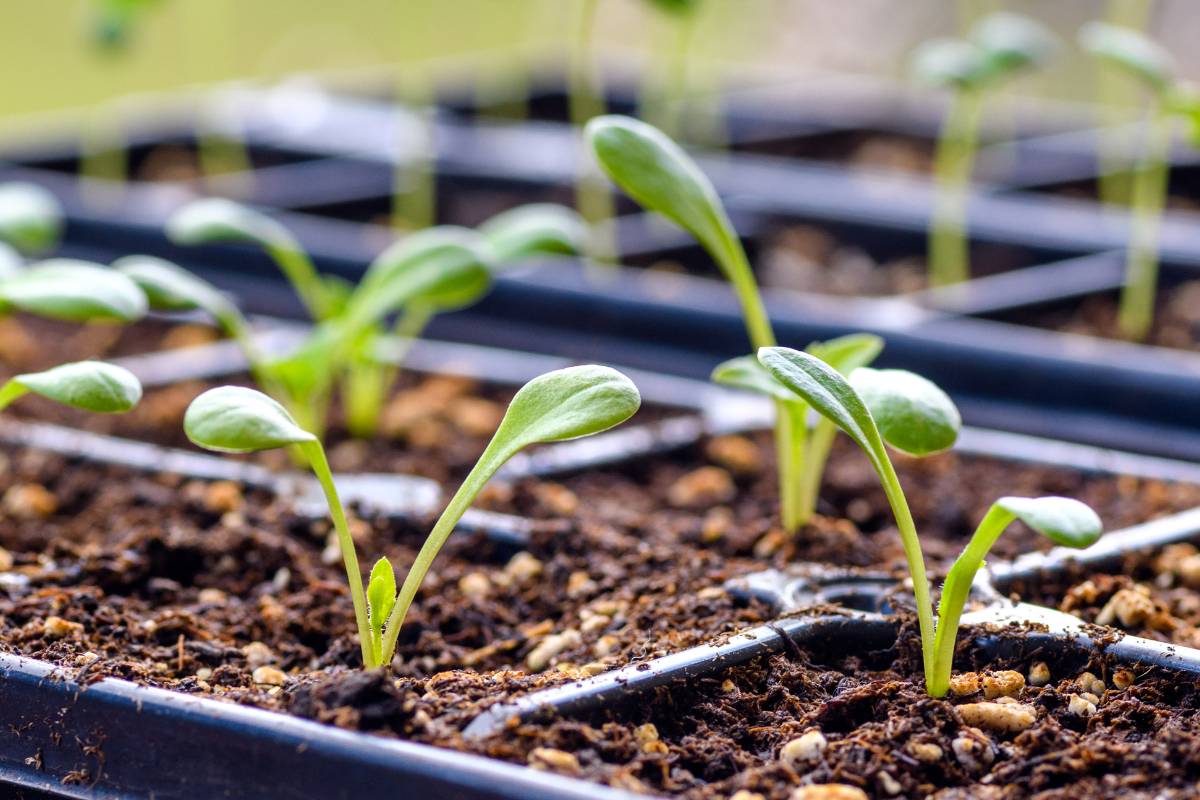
(863, 149)
(198, 587)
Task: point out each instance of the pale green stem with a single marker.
(819, 444)
(731, 256)
(320, 467)
(414, 185)
(791, 432)
(1136, 314)
(955, 593)
(9, 392)
(665, 108)
(1115, 95)
(302, 274)
(492, 459)
(914, 557)
(949, 259)
(592, 196)
(368, 381)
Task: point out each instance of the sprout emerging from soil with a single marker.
(999, 46)
(564, 404)
(88, 385)
(1171, 101)
(921, 419)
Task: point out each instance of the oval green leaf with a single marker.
(75, 291)
(659, 175)
(567, 404)
(947, 63)
(848, 353)
(745, 372)
(88, 385)
(912, 413)
(1130, 51)
(169, 287)
(1063, 520)
(235, 419)
(534, 230)
(1012, 42)
(31, 218)
(215, 219)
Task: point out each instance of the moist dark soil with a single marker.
(862, 149)
(1176, 318)
(722, 495)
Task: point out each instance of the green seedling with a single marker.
(1116, 97)
(663, 106)
(215, 220)
(564, 404)
(919, 418)
(660, 176)
(31, 219)
(88, 385)
(999, 47)
(1171, 101)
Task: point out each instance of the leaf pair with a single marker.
(998, 46)
(564, 404)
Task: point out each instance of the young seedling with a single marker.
(807, 452)
(874, 406)
(663, 106)
(213, 220)
(88, 385)
(564, 404)
(73, 291)
(1171, 100)
(999, 46)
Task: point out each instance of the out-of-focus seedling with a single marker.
(88, 385)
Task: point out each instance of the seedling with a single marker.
(564, 404)
(1171, 100)
(74, 291)
(31, 218)
(999, 46)
(664, 107)
(88, 385)
(870, 410)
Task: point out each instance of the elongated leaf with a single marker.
(214, 219)
(235, 419)
(567, 404)
(76, 291)
(31, 218)
(170, 287)
(534, 230)
(1130, 51)
(1063, 520)
(744, 372)
(659, 175)
(912, 413)
(1013, 41)
(89, 385)
(824, 388)
(848, 353)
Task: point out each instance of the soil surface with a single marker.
(29, 343)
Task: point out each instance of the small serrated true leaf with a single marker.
(912, 413)
(31, 218)
(381, 593)
(75, 291)
(235, 419)
(534, 230)
(745, 372)
(1063, 520)
(848, 353)
(89, 385)
(567, 404)
(1130, 51)
(212, 220)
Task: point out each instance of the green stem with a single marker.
(819, 444)
(955, 593)
(1136, 313)
(592, 196)
(492, 459)
(665, 108)
(1115, 95)
(731, 256)
(302, 274)
(9, 392)
(914, 557)
(320, 467)
(368, 383)
(949, 258)
(414, 185)
(791, 433)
